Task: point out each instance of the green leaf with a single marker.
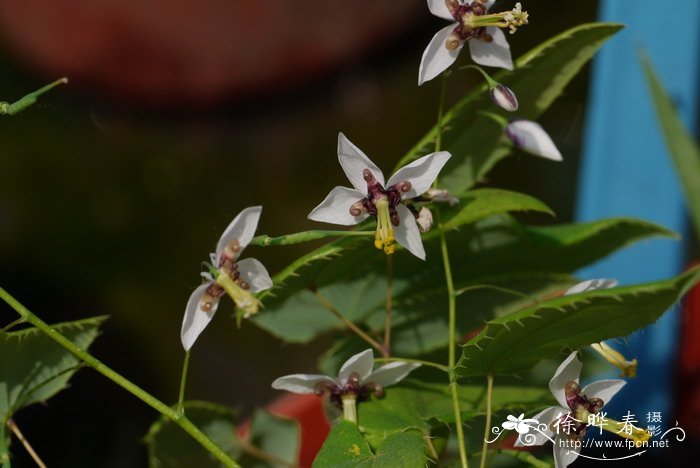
(684, 152)
(170, 446)
(497, 251)
(518, 341)
(475, 141)
(346, 447)
(33, 367)
(276, 436)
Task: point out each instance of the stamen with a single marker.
(626, 430)
(241, 296)
(357, 208)
(384, 237)
(453, 41)
(404, 186)
(232, 249)
(507, 19)
(614, 357)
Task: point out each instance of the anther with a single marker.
(452, 42)
(206, 306)
(404, 186)
(367, 175)
(245, 286)
(395, 220)
(572, 389)
(595, 404)
(357, 208)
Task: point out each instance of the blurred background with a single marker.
(178, 115)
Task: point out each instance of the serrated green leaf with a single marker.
(497, 251)
(476, 142)
(517, 341)
(33, 367)
(170, 446)
(346, 447)
(683, 149)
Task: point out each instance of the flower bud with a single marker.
(530, 137)
(504, 97)
(424, 219)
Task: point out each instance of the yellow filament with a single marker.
(244, 299)
(614, 357)
(384, 237)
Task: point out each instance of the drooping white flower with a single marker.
(576, 406)
(530, 137)
(238, 278)
(372, 196)
(472, 22)
(356, 379)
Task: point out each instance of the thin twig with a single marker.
(348, 323)
(13, 427)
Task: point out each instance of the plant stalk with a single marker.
(489, 395)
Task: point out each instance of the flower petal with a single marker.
(361, 363)
(569, 370)
(255, 274)
(301, 383)
(421, 173)
(564, 455)
(492, 54)
(603, 389)
(196, 319)
(241, 228)
(335, 209)
(392, 373)
(591, 285)
(488, 4)
(437, 57)
(354, 161)
(439, 9)
(543, 417)
(530, 137)
(407, 233)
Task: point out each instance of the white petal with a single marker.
(543, 417)
(255, 274)
(241, 228)
(421, 173)
(407, 233)
(196, 319)
(392, 373)
(492, 54)
(530, 137)
(300, 383)
(564, 455)
(361, 363)
(439, 9)
(603, 389)
(591, 285)
(437, 57)
(335, 209)
(488, 4)
(569, 370)
(354, 161)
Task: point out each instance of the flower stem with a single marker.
(389, 294)
(4, 448)
(348, 323)
(451, 297)
(489, 395)
(305, 236)
(491, 82)
(350, 408)
(183, 380)
(15, 430)
(10, 326)
(118, 379)
(29, 99)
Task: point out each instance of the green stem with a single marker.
(417, 361)
(183, 380)
(305, 236)
(350, 409)
(10, 326)
(29, 99)
(489, 395)
(492, 83)
(389, 293)
(451, 298)
(126, 384)
(4, 447)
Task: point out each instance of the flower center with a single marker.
(353, 389)
(473, 18)
(382, 203)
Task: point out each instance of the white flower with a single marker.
(238, 278)
(356, 379)
(395, 222)
(591, 285)
(470, 21)
(530, 137)
(574, 402)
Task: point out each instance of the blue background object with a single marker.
(626, 171)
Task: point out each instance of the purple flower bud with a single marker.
(504, 98)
